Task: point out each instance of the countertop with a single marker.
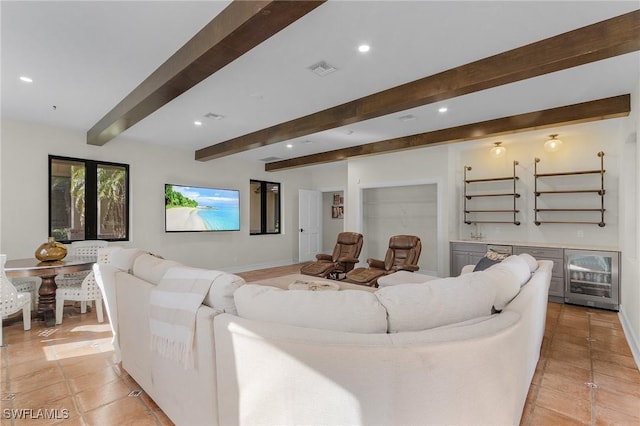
(530, 244)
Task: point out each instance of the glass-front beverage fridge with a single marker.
(592, 278)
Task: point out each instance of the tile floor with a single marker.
(586, 374)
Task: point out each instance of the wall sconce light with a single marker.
(498, 150)
(553, 144)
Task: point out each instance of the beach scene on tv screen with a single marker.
(190, 208)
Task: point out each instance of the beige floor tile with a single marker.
(576, 388)
(120, 412)
(94, 398)
(564, 404)
(616, 384)
(628, 405)
(42, 397)
(575, 358)
(544, 417)
(608, 417)
(36, 379)
(615, 370)
(622, 360)
(93, 380)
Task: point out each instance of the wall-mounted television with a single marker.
(199, 209)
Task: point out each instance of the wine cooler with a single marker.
(592, 278)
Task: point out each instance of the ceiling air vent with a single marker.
(322, 68)
(270, 159)
(408, 117)
(214, 116)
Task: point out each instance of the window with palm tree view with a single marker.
(88, 200)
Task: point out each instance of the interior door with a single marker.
(309, 224)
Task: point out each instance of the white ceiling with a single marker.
(86, 56)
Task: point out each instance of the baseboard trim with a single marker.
(634, 345)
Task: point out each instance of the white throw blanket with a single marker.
(172, 317)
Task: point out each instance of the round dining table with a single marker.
(48, 271)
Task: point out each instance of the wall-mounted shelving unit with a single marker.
(477, 215)
(596, 191)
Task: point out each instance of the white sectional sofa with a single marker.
(430, 353)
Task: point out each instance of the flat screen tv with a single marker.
(198, 209)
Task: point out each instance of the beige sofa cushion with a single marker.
(506, 277)
(531, 261)
(220, 296)
(151, 268)
(415, 307)
(347, 310)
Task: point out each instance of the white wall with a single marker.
(24, 194)
(420, 166)
(331, 226)
(630, 234)
(581, 144)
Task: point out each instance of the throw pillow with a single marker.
(504, 280)
(531, 261)
(489, 259)
(415, 307)
(346, 310)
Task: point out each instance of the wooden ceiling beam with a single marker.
(606, 39)
(601, 109)
(237, 29)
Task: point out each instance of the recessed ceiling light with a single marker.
(197, 123)
(289, 146)
(363, 48)
(443, 109)
(26, 79)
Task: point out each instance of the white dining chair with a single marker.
(29, 285)
(84, 293)
(12, 301)
(80, 248)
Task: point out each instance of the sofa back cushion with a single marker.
(151, 268)
(415, 307)
(347, 310)
(506, 277)
(123, 258)
(220, 296)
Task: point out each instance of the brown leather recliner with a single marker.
(342, 260)
(402, 255)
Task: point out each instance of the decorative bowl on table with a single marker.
(51, 251)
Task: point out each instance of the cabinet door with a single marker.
(458, 260)
(557, 287)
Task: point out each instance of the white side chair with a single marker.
(11, 301)
(87, 291)
(80, 248)
(28, 285)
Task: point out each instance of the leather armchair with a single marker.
(402, 255)
(342, 260)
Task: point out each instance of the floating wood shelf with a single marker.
(491, 179)
(479, 213)
(492, 221)
(489, 211)
(504, 194)
(599, 191)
